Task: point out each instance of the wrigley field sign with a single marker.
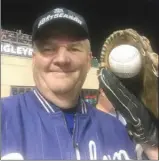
(16, 49)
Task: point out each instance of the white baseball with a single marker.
(125, 61)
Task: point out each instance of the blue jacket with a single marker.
(36, 129)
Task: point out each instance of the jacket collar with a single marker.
(52, 108)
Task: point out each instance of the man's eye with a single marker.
(49, 49)
(74, 49)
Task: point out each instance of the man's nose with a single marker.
(61, 57)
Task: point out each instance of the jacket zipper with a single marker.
(75, 145)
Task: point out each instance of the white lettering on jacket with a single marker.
(12, 156)
(120, 155)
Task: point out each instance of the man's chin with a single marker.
(61, 90)
(64, 85)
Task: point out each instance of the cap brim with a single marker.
(65, 26)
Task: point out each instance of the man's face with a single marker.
(61, 63)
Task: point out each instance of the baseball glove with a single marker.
(138, 105)
(145, 85)
(139, 120)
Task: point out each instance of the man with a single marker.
(52, 121)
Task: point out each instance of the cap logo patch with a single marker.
(60, 14)
(58, 10)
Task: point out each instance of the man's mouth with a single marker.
(61, 74)
(65, 72)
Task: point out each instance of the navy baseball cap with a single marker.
(59, 18)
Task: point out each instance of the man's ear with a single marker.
(33, 58)
(90, 59)
(33, 54)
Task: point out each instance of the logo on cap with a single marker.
(58, 10)
(59, 13)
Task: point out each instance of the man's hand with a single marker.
(139, 120)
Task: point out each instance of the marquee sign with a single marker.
(16, 49)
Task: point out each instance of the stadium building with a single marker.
(16, 64)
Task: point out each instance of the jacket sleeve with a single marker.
(10, 131)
